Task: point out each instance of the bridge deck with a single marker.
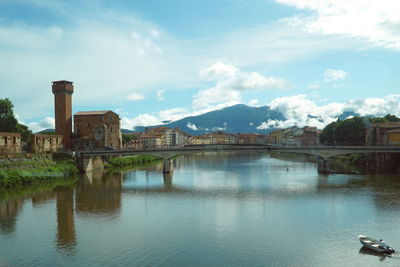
(319, 151)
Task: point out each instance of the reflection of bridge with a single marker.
(92, 159)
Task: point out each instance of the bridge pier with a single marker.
(168, 166)
(322, 165)
(89, 163)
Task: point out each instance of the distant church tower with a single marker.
(63, 91)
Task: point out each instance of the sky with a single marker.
(155, 60)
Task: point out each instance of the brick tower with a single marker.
(63, 91)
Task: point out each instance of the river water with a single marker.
(215, 209)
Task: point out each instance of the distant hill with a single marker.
(348, 114)
(126, 131)
(235, 119)
(46, 131)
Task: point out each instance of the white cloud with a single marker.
(140, 120)
(192, 126)
(375, 106)
(231, 83)
(376, 21)
(331, 75)
(254, 103)
(135, 97)
(218, 71)
(301, 111)
(160, 94)
(46, 123)
(172, 114)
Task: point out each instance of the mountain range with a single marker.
(234, 119)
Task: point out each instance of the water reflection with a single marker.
(66, 239)
(366, 251)
(9, 211)
(225, 206)
(42, 198)
(168, 180)
(100, 194)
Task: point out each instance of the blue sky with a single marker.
(159, 60)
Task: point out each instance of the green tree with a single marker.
(345, 132)
(391, 118)
(8, 122)
(351, 131)
(126, 138)
(327, 136)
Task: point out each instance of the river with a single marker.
(215, 209)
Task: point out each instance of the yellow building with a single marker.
(251, 138)
(382, 134)
(393, 137)
(275, 137)
(201, 140)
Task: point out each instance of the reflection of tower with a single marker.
(65, 219)
(63, 91)
(102, 195)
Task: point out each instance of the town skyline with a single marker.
(165, 61)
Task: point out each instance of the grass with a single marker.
(129, 161)
(22, 173)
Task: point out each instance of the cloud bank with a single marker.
(230, 83)
(377, 22)
(300, 111)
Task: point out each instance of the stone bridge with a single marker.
(89, 160)
(323, 153)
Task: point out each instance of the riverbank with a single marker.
(367, 164)
(129, 161)
(34, 169)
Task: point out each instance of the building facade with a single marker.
(97, 130)
(250, 138)
(10, 142)
(383, 134)
(169, 137)
(306, 136)
(46, 143)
